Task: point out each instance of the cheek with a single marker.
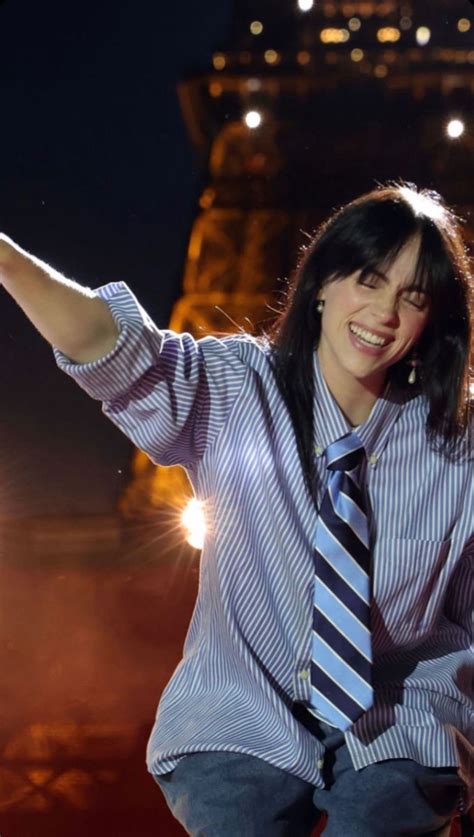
(415, 325)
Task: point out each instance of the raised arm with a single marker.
(69, 316)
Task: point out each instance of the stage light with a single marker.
(256, 27)
(193, 521)
(423, 35)
(305, 5)
(455, 128)
(252, 119)
(357, 55)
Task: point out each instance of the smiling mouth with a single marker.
(368, 337)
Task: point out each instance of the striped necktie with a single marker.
(341, 643)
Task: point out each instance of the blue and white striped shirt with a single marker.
(212, 405)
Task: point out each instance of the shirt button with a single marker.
(304, 674)
(373, 459)
(318, 450)
(320, 763)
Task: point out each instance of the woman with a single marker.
(279, 710)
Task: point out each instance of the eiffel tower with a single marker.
(306, 106)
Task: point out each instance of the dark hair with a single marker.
(366, 234)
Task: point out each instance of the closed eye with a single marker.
(416, 298)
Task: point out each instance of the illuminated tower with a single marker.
(308, 105)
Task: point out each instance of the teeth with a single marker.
(367, 336)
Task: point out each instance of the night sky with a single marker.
(99, 179)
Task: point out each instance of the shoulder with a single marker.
(247, 348)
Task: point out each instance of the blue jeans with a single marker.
(220, 794)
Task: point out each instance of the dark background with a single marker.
(99, 179)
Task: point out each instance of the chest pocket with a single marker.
(409, 580)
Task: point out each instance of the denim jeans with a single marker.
(221, 794)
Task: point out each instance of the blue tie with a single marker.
(341, 663)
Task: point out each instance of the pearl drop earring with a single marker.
(412, 375)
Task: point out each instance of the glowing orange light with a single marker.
(256, 27)
(388, 33)
(271, 56)
(303, 57)
(334, 36)
(219, 61)
(464, 24)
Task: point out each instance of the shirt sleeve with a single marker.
(168, 392)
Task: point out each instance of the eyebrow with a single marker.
(412, 287)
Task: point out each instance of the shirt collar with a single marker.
(330, 423)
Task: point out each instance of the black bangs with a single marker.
(367, 237)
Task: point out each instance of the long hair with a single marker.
(367, 234)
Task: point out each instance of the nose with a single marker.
(386, 310)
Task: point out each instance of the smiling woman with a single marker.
(384, 285)
(327, 666)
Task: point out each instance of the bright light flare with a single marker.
(455, 128)
(305, 5)
(253, 119)
(423, 204)
(193, 521)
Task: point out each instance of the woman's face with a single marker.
(388, 313)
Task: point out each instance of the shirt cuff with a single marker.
(111, 376)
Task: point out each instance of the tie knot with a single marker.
(345, 454)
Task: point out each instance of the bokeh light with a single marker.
(219, 61)
(334, 36)
(423, 35)
(256, 27)
(271, 56)
(354, 24)
(303, 57)
(388, 34)
(464, 24)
